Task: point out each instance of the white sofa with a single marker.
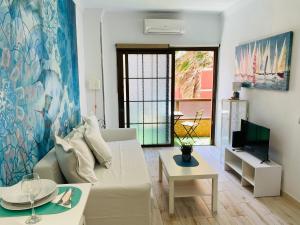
(122, 196)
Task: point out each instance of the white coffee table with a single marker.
(73, 216)
(183, 181)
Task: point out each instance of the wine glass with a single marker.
(31, 186)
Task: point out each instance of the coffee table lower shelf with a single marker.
(189, 188)
(188, 184)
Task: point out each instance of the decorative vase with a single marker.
(186, 151)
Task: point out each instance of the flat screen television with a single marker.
(255, 139)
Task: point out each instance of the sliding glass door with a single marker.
(145, 94)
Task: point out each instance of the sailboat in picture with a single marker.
(259, 72)
(237, 70)
(265, 63)
(254, 62)
(243, 66)
(249, 64)
(281, 68)
(275, 61)
(267, 69)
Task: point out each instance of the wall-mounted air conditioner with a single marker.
(163, 26)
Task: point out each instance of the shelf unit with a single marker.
(265, 178)
(232, 113)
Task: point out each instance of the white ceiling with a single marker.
(161, 5)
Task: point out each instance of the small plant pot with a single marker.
(186, 151)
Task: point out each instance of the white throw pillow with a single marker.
(80, 145)
(92, 121)
(75, 160)
(77, 131)
(97, 144)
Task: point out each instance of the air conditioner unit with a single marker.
(163, 26)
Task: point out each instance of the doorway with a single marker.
(156, 83)
(145, 94)
(195, 94)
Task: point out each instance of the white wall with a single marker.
(92, 52)
(81, 58)
(127, 27)
(277, 110)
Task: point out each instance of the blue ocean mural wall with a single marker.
(39, 90)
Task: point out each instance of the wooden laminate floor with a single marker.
(236, 205)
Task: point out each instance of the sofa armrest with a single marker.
(119, 134)
(48, 168)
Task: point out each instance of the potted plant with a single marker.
(186, 150)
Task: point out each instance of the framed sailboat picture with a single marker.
(265, 63)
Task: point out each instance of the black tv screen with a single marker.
(255, 139)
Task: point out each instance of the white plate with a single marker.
(15, 195)
(43, 201)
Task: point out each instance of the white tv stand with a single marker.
(264, 177)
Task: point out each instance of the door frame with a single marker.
(168, 50)
(120, 66)
(215, 81)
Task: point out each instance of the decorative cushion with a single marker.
(75, 160)
(77, 131)
(92, 121)
(80, 145)
(97, 144)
